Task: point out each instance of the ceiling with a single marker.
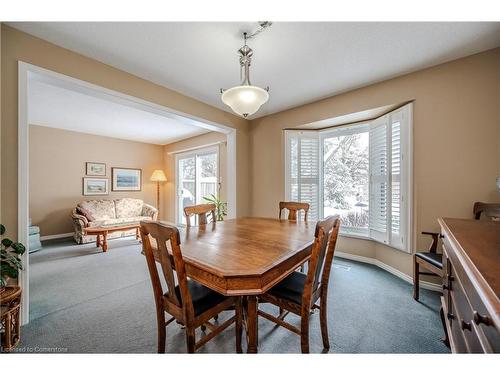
(300, 62)
(53, 105)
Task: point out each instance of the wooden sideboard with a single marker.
(471, 285)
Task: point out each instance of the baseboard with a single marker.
(359, 258)
(56, 236)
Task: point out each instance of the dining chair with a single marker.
(431, 260)
(298, 292)
(490, 210)
(293, 208)
(201, 210)
(189, 303)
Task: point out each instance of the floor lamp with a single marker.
(158, 176)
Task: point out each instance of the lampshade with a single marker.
(245, 100)
(158, 176)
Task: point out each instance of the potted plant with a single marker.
(220, 206)
(10, 261)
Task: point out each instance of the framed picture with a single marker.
(95, 169)
(95, 186)
(126, 179)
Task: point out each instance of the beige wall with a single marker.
(18, 46)
(456, 143)
(57, 166)
(456, 135)
(169, 158)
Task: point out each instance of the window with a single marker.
(361, 172)
(346, 177)
(197, 177)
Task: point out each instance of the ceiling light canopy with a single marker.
(246, 99)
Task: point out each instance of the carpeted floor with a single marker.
(85, 301)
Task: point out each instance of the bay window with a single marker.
(361, 172)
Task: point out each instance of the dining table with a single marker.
(245, 257)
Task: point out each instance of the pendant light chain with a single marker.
(263, 25)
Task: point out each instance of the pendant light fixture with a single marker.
(246, 99)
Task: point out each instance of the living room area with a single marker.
(93, 178)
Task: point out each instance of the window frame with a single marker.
(406, 173)
(196, 152)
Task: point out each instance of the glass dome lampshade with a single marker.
(245, 100)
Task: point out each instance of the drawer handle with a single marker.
(446, 287)
(450, 316)
(466, 326)
(478, 319)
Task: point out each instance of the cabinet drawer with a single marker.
(470, 288)
(447, 275)
(464, 318)
(456, 332)
(467, 303)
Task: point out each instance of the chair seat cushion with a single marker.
(291, 288)
(432, 258)
(203, 298)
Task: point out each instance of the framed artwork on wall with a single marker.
(95, 186)
(126, 179)
(95, 169)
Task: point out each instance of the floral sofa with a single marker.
(108, 212)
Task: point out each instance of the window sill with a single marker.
(356, 236)
(366, 238)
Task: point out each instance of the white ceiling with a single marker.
(300, 62)
(51, 104)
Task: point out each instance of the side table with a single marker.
(10, 302)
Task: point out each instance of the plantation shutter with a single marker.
(379, 179)
(401, 168)
(396, 238)
(303, 170)
(390, 170)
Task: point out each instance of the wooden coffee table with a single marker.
(105, 229)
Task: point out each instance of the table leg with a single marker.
(252, 324)
(105, 242)
(136, 233)
(98, 240)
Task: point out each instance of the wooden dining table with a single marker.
(245, 257)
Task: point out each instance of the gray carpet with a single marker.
(85, 301)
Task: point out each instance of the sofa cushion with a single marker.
(128, 207)
(123, 220)
(100, 209)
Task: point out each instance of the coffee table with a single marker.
(103, 231)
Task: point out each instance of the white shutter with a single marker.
(396, 191)
(379, 179)
(390, 178)
(401, 176)
(302, 164)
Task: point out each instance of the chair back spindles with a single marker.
(201, 210)
(325, 239)
(293, 208)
